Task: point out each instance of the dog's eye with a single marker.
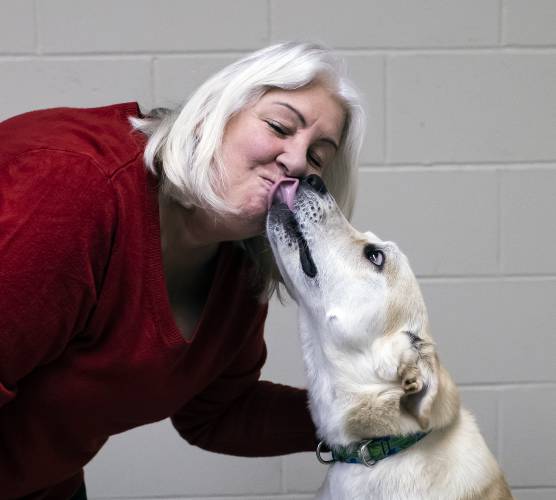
(374, 255)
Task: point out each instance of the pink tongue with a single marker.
(284, 192)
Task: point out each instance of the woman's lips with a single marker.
(267, 181)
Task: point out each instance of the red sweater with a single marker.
(88, 344)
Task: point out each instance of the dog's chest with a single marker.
(384, 481)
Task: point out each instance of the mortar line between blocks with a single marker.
(283, 478)
(391, 51)
(152, 86)
(36, 27)
(269, 21)
(47, 58)
(501, 22)
(499, 425)
(486, 278)
(385, 107)
(271, 496)
(456, 50)
(497, 386)
(460, 166)
(86, 54)
(534, 487)
(500, 218)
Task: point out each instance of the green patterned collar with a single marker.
(369, 451)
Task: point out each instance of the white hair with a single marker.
(184, 145)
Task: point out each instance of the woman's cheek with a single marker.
(260, 148)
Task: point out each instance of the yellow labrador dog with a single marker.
(386, 409)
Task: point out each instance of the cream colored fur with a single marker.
(371, 363)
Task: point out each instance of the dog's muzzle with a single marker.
(316, 183)
(281, 213)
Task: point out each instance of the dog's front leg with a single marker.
(404, 364)
(375, 414)
(418, 372)
(405, 358)
(416, 363)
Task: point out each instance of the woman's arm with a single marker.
(239, 415)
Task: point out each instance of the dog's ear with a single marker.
(420, 404)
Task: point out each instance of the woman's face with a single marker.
(286, 133)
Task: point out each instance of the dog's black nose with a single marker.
(316, 183)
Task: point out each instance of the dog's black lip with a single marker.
(305, 257)
(307, 262)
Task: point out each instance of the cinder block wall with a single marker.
(459, 167)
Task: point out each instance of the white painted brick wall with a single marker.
(367, 72)
(67, 26)
(458, 167)
(529, 23)
(388, 23)
(40, 82)
(456, 205)
(483, 107)
(527, 202)
(177, 77)
(17, 27)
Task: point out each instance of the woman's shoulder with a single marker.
(102, 135)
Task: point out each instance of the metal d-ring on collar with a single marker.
(323, 448)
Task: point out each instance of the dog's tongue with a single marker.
(283, 192)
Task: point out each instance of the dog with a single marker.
(382, 402)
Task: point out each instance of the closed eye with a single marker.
(315, 160)
(278, 128)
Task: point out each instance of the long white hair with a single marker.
(184, 145)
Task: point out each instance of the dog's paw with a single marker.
(411, 378)
(411, 381)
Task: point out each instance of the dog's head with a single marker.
(353, 290)
(356, 284)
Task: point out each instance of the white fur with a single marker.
(448, 464)
(367, 346)
(186, 141)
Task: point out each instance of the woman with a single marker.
(132, 294)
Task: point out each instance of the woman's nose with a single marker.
(293, 160)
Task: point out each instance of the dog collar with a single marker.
(369, 451)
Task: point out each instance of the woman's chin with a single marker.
(246, 223)
(255, 210)
(250, 217)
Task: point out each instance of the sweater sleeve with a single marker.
(55, 211)
(238, 414)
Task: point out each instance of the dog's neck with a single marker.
(340, 388)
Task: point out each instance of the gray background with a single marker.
(459, 167)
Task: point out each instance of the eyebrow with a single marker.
(304, 122)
